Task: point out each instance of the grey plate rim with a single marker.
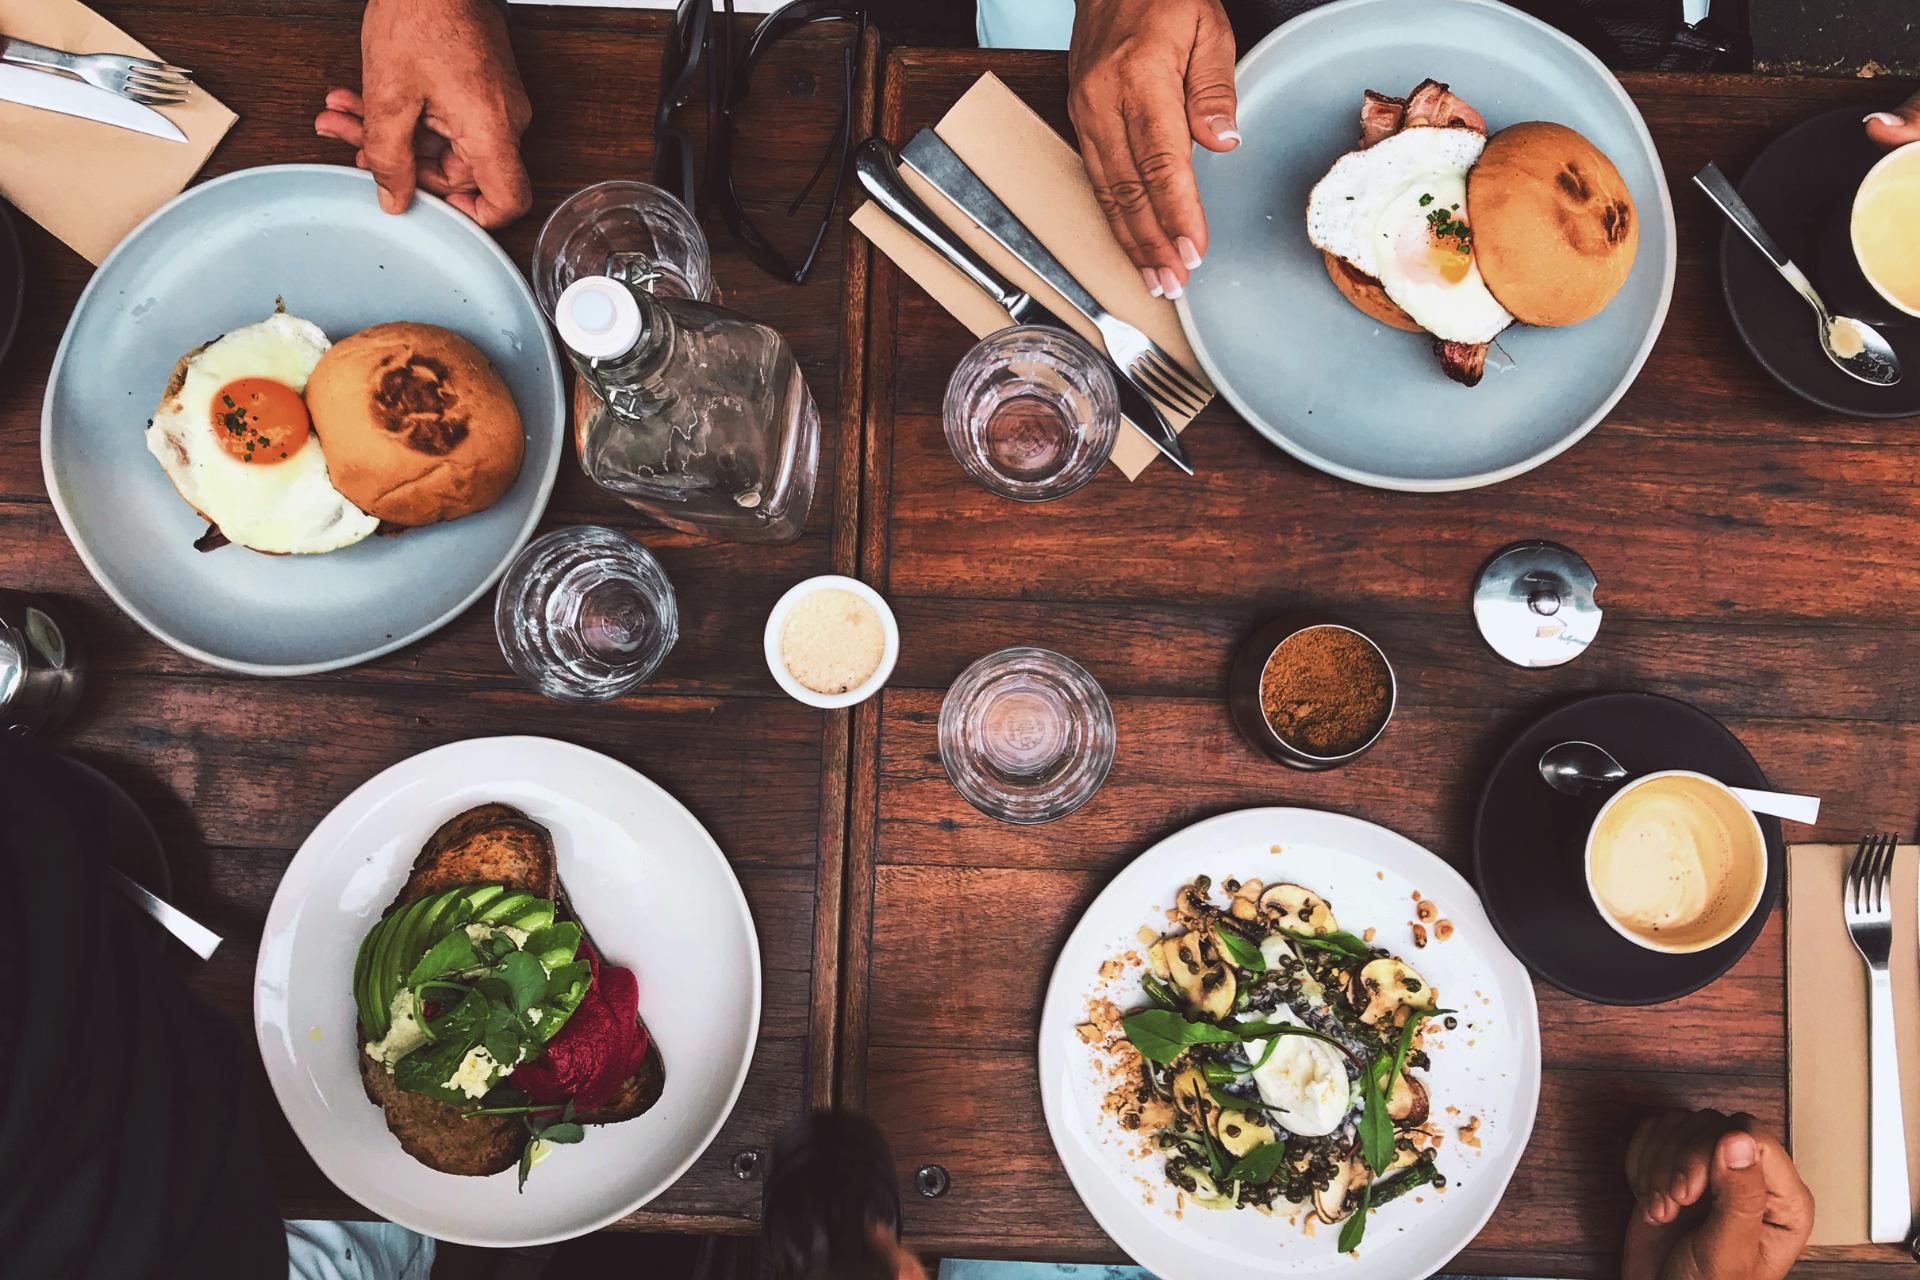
(536, 510)
(1449, 484)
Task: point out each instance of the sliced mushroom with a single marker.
(1241, 1131)
(1298, 909)
(1192, 1098)
(1407, 1104)
(1203, 1192)
(1208, 985)
(1191, 905)
(1246, 902)
(1336, 1201)
(1389, 988)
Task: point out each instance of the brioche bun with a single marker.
(1366, 293)
(1554, 226)
(418, 426)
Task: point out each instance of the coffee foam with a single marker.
(1675, 861)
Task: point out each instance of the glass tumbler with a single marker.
(584, 614)
(632, 231)
(1032, 413)
(1026, 735)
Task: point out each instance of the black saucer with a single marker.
(13, 278)
(1798, 187)
(1529, 843)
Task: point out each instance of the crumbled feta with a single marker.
(481, 932)
(475, 1074)
(404, 1034)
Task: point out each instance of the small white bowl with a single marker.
(777, 621)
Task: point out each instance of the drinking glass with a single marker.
(585, 614)
(632, 231)
(1026, 735)
(1032, 413)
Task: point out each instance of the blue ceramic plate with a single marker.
(1332, 387)
(215, 259)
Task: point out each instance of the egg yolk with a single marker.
(260, 420)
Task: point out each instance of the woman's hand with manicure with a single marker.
(1897, 127)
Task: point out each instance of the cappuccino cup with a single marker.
(1884, 227)
(1675, 862)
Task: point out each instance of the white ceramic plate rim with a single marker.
(1064, 1008)
(556, 408)
(1446, 484)
(321, 842)
(777, 619)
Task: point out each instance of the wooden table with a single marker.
(236, 771)
(1756, 557)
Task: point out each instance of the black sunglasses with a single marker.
(699, 36)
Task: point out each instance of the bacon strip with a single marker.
(1464, 362)
(1379, 117)
(1431, 103)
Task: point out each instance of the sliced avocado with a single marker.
(483, 896)
(537, 916)
(362, 975)
(390, 963)
(442, 920)
(505, 908)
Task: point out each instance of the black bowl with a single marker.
(1529, 845)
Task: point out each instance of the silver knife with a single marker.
(201, 940)
(50, 92)
(878, 170)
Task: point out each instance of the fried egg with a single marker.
(234, 436)
(1397, 211)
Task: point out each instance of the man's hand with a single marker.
(442, 108)
(1715, 1198)
(1901, 125)
(1150, 78)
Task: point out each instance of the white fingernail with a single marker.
(1173, 288)
(1883, 117)
(1188, 254)
(1151, 280)
(1223, 129)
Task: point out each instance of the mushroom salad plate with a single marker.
(1289, 1043)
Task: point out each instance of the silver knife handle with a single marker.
(930, 155)
(878, 170)
(28, 54)
(1889, 1208)
(1721, 192)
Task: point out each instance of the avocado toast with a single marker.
(489, 1026)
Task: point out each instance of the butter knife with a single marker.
(877, 169)
(49, 92)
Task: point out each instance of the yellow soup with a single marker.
(1886, 227)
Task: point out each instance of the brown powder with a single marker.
(1325, 691)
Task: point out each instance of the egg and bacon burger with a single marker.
(291, 445)
(1431, 226)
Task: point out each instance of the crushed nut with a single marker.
(1089, 1033)
(1443, 929)
(1419, 935)
(1426, 910)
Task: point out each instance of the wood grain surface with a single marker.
(1756, 558)
(237, 771)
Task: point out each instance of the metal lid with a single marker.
(599, 318)
(1534, 604)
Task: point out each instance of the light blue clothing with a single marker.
(964, 1269)
(356, 1251)
(1024, 24)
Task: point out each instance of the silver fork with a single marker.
(149, 83)
(1866, 897)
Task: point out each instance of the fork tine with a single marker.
(1174, 373)
(1850, 882)
(149, 99)
(1177, 391)
(1143, 374)
(151, 80)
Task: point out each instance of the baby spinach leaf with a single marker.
(1356, 1226)
(428, 1070)
(1339, 941)
(1244, 954)
(1258, 1166)
(1163, 1035)
(1376, 1127)
(525, 979)
(449, 955)
(504, 1034)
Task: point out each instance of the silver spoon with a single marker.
(199, 939)
(1853, 345)
(1576, 768)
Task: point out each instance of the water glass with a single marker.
(1026, 735)
(585, 614)
(632, 231)
(1032, 413)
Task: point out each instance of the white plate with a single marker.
(1338, 390)
(1489, 1067)
(655, 893)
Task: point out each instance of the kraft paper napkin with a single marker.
(88, 183)
(1041, 178)
(1827, 1036)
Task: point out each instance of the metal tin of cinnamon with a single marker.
(1312, 694)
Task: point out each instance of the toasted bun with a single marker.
(1554, 226)
(1365, 292)
(417, 425)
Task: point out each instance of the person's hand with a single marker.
(442, 109)
(895, 1259)
(1149, 78)
(1715, 1198)
(1901, 125)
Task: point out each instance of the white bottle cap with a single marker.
(598, 318)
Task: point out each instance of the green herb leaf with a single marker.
(1163, 1035)
(1258, 1166)
(526, 1163)
(526, 980)
(1243, 953)
(449, 955)
(1356, 1226)
(427, 1071)
(504, 1035)
(563, 1131)
(1376, 1127)
(1339, 942)
(554, 945)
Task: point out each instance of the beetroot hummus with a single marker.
(600, 1046)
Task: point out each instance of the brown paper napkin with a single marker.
(90, 183)
(1827, 1036)
(1043, 181)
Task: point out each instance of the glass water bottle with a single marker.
(694, 414)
